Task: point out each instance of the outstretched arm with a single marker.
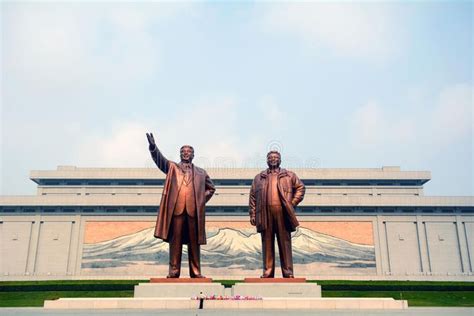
(160, 160)
(210, 188)
(252, 204)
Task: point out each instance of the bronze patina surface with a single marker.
(274, 194)
(181, 216)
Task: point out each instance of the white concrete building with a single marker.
(355, 224)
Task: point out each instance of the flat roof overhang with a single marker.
(334, 175)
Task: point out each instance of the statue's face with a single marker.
(273, 161)
(187, 154)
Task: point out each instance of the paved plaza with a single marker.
(438, 311)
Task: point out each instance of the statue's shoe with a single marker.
(172, 276)
(198, 276)
(266, 276)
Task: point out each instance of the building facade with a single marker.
(354, 224)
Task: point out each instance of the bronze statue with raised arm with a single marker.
(181, 217)
(274, 195)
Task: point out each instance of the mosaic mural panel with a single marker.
(233, 249)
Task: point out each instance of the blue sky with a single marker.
(330, 84)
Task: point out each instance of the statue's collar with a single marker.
(185, 165)
(266, 172)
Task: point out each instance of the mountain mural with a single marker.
(227, 248)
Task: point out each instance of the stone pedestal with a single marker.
(274, 280)
(180, 280)
(277, 287)
(181, 287)
(276, 294)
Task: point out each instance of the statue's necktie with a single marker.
(187, 173)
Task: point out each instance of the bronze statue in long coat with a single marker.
(181, 216)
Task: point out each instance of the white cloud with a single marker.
(453, 116)
(125, 146)
(271, 111)
(210, 125)
(368, 124)
(449, 120)
(66, 47)
(353, 29)
(372, 125)
(65, 66)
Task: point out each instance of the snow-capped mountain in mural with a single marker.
(227, 247)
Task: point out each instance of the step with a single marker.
(329, 303)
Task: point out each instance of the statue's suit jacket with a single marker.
(203, 191)
(291, 191)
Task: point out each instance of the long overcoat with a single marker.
(203, 191)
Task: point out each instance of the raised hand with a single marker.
(151, 141)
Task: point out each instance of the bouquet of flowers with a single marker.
(215, 297)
